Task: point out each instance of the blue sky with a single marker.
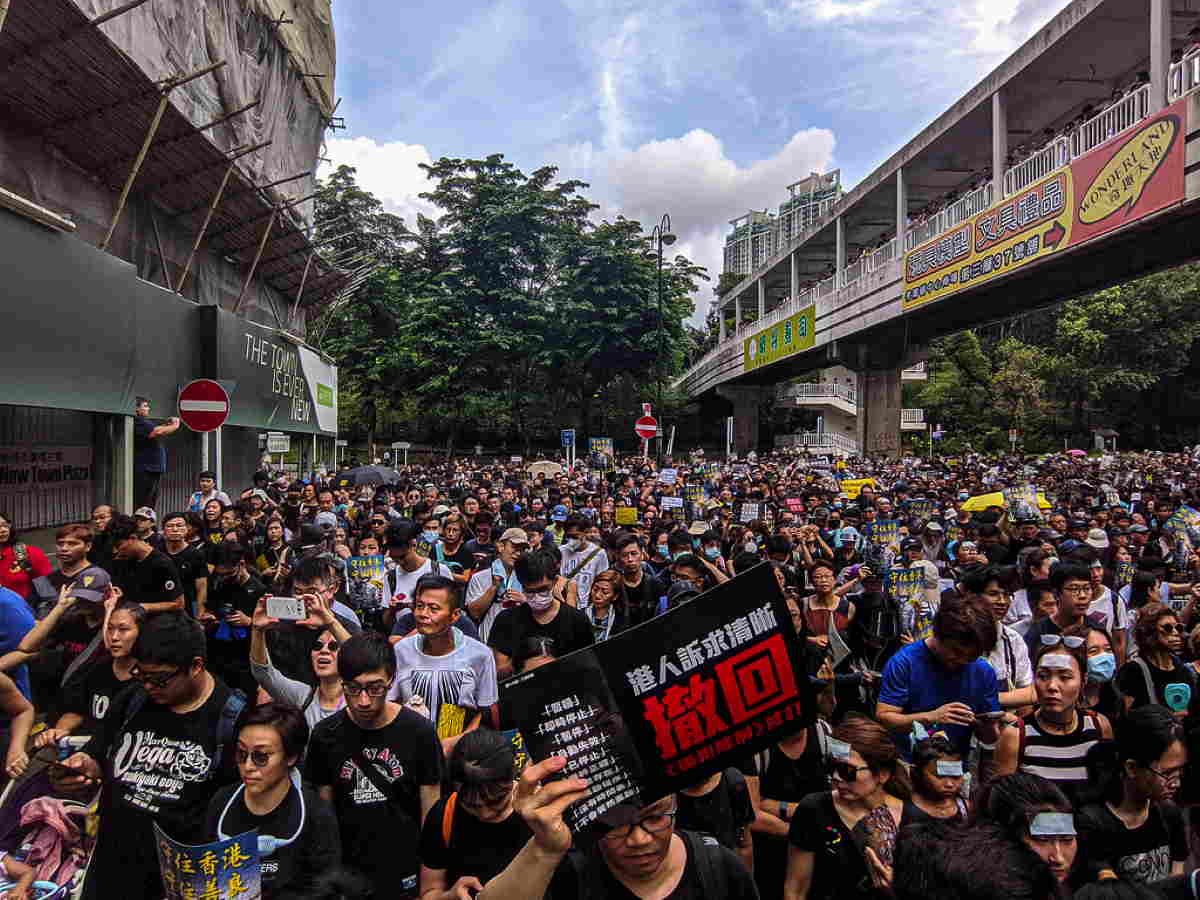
(702, 110)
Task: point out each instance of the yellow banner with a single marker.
(853, 487)
(795, 333)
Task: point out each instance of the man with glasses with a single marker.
(380, 765)
(639, 852)
(162, 750)
(541, 615)
(1072, 583)
(1010, 657)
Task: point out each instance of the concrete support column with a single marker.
(841, 248)
(793, 277)
(879, 412)
(762, 299)
(901, 211)
(1160, 52)
(721, 322)
(999, 141)
(737, 313)
(122, 475)
(745, 402)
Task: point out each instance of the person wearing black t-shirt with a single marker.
(164, 747)
(144, 574)
(641, 854)
(190, 561)
(541, 615)
(297, 832)
(642, 590)
(721, 806)
(233, 597)
(485, 832)
(380, 765)
(481, 547)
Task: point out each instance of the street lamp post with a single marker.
(662, 234)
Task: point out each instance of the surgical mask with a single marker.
(1101, 667)
(712, 552)
(661, 549)
(681, 553)
(571, 546)
(837, 504)
(696, 542)
(430, 537)
(541, 601)
(750, 547)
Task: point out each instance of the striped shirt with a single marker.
(1059, 757)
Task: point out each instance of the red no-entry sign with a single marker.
(646, 427)
(203, 405)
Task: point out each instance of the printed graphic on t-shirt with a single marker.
(154, 770)
(451, 720)
(364, 792)
(1152, 865)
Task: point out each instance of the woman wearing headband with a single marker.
(297, 832)
(1053, 741)
(1136, 831)
(841, 841)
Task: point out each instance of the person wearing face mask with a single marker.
(1099, 692)
(233, 596)
(297, 833)
(582, 560)
(497, 587)
(541, 615)
(400, 582)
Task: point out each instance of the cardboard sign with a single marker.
(222, 870)
(667, 703)
(626, 515)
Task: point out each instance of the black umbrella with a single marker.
(366, 475)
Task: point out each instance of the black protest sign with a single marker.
(666, 704)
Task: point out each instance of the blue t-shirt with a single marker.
(916, 681)
(16, 621)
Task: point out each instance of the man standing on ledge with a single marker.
(149, 456)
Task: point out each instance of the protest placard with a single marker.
(365, 578)
(668, 476)
(853, 486)
(672, 503)
(665, 704)
(223, 870)
(794, 504)
(626, 515)
(749, 512)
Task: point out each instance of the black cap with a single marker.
(680, 592)
(310, 535)
(401, 533)
(910, 544)
(1076, 523)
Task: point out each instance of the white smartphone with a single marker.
(289, 609)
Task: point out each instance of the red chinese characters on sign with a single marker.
(696, 719)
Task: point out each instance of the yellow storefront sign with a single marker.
(793, 334)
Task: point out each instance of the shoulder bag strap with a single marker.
(448, 819)
(579, 568)
(1150, 695)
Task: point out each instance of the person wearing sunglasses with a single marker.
(165, 746)
(380, 765)
(1157, 675)
(471, 834)
(841, 841)
(317, 702)
(1053, 741)
(1136, 832)
(297, 832)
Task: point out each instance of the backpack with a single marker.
(226, 725)
(702, 849)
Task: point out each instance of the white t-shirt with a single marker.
(452, 686)
(397, 582)
(573, 562)
(478, 586)
(1100, 612)
(1010, 659)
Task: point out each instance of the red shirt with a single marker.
(16, 578)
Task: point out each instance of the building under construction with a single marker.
(157, 202)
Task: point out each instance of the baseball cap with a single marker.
(1139, 528)
(1076, 523)
(90, 584)
(559, 513)
(1097, 538)
(934, 526)
(145, 512)
(441, 509)
(325, 520)
(515, 536)
(910, 544)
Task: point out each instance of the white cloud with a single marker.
(389, 171)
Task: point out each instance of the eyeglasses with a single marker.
(655, 823)
(844, 771)
(1072, 641)
(159, 680)
(374, 689)
(331, 645)
(260, 758)
(1077, 589)
(1172, 629)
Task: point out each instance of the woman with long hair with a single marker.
(867, 807)
(1135, 831)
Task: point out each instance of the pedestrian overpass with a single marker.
(1073, 166)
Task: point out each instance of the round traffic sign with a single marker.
(646, 427)
(203, 405)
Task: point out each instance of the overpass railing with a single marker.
(958, 211)
(1123, 114)
(823, 391)
(1035, 168)
(1183, 76)
(828, 440)
(912, 417)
